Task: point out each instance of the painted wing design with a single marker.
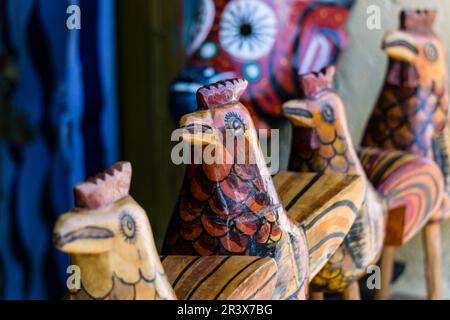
(224, 211)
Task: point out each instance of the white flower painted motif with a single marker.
(248, 29)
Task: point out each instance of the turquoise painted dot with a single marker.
(208, 50)
(252, 71)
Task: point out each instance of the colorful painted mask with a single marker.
(265, 42)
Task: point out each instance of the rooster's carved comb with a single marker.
(220, 93)
(314, 83)
(417, 20)
(105, 188)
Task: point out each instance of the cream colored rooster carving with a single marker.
(109, 237)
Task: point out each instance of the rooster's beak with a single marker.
(298, 114)
(198, 131)
(77, 232)
(400, 46)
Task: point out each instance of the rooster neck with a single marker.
(336, 155)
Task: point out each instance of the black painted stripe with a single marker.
(294, 295)
(262, 286)
(207, 277)
(401, 43)
(339, 235)
(381, 171)
(342, 203)
(184, 271)
(235, 276)
(298, 112)
(303, 191)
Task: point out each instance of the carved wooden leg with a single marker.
(386, 266)
(433, 263)
(316, 295)
(352, 292)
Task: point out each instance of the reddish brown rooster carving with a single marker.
(231, 207)
(322, 143)
(412, 112)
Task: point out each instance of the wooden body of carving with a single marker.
(231, 206)
(221, 277)
(325, 205)
(109, 238)
(322, 144)
(411, 113)
(412, 185)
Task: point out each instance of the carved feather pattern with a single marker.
(235, 215)
(407, 119)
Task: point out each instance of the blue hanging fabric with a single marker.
(66, 94)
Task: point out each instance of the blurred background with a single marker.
(72, 102)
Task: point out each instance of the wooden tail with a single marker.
(324, 205)
(221, 278)
(412, 186)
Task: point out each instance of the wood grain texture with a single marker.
(413, 186)
(325, 205)
(221, 278)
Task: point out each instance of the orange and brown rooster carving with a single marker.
(231, 207)
(322, 143)
(412, 113)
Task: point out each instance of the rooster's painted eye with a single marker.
(431, 52)
(235, 123)
(328, 113)
(248, 29)
(128, 227)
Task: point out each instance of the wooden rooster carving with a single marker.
(322, 143)
(231, 206)
(109, 238)
(412, 111)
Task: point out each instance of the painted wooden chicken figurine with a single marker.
(322, 143)
(109, 238)
(412, 110)
(231, 207)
